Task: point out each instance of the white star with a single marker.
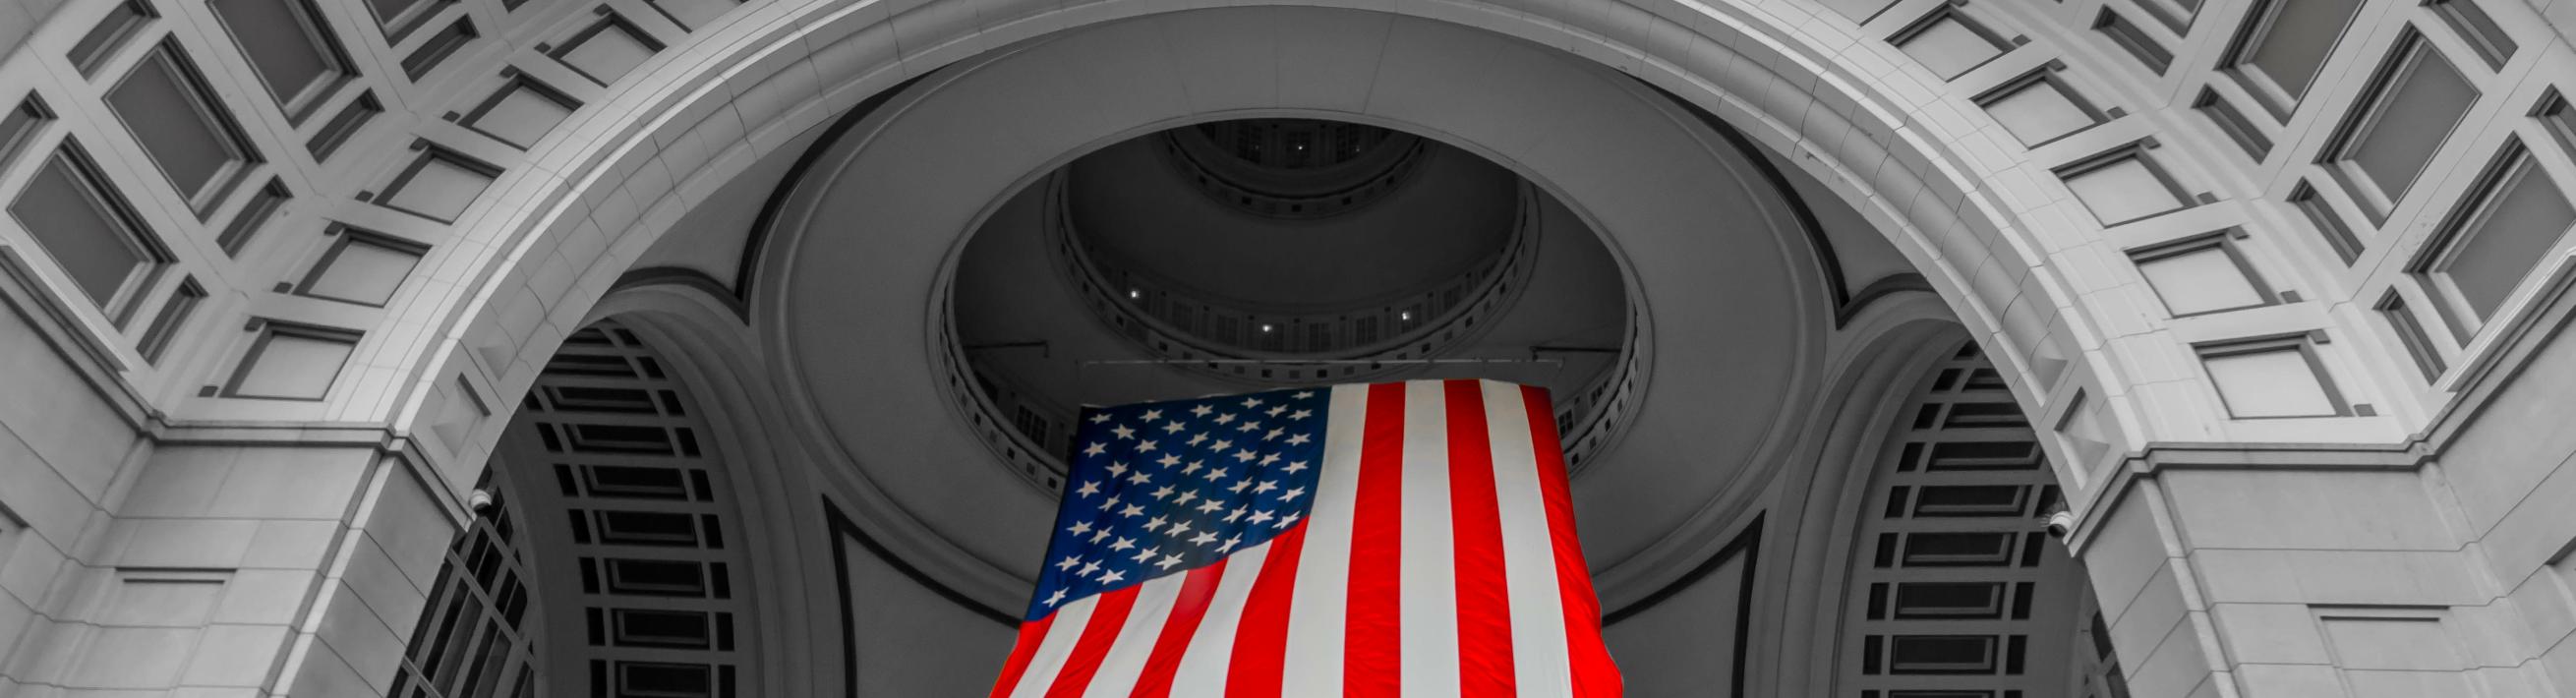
(1157, 523)
(1227, 418)
(1301, 414)
(1116, 469)
(1297, 439)
(1193, 467)
(1230, 542)
(1303, 394)
(1217, 475)
(1292, 494)
(1112, 502)
(1123, 544)
(1251, 402)
(1274, 434)
(1275, 410)
(1186, 496)
(1079, 528)
(1168, 460)
(1146, 554)
(1238, 486)
(1203, 538)
(1100, 418)
(1236, 514)
(1147, 447)
(1088, 488)
(1163, 493)
(1210, 505)
(1196, 439)
(1056, 598)
(1294, 466)
(1132, 511)
(1088, 568)
(1201, 411)
(1140, 478)
(1244, 456)
(1266, 487)
(1152, 415)
(1068, 563)
(1123, 432)
(1247, 426)
(1284, 521)
(1099, 535)
(1269, 458)
(1178, 529)
(1112, 577)
(1095, 449)
(1172, 427)
(1258, 517)
(1221, 446)
(1168, 561)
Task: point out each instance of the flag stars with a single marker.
(1217, 475)
(1112, 577)
(1117, 469)
(1088, 488)
(1230, 517)
(1251, 402)
(1258, 518)
(1079, 528)
(1203, 538)
(1294, 466)
(1123, 432)
(1297, 439)
(1163, 493)
(1152, 416)
(1269, 458)
(1095, 449)
(1301, 414)
(1168, 460)
(1186, 496)
(1266, 486)
(1274, 434)
(1087, 569)
(1244, 455)
(1128, 543)
(1196, 439)
(1069, 562)
(1132, 511)
(1178, 529)
(1285, 521)
(1230, 542)
(1227, 418)
(1303, 394)
(1147, 446)
(1146, 554)
(1157, 524)
(1173, 427)
(1201, 411)
(1168, 561)
(1140, 478)
(1292, 494)
(1275, 410)
(1055, 598)
(1209, 506)
(1102, 418)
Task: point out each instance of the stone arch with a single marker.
(1728, 60)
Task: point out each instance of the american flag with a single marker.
(1390, 539)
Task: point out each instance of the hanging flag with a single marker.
(1394, 539)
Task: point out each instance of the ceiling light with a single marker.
(1265, 327)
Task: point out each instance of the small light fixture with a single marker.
(1133, 294)
(1265, 327)
(1405, 316)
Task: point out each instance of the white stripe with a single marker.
(1540, 664)
(1211, 649)
(1430, 564)
(1055, 648)
(1127, 652)
(1318, 610)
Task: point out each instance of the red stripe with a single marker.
(1594, 675)
(1261, 636)
(1476, 523)
(1372, 642)
(1187, 610)
(1031, 633)
(1106, 619)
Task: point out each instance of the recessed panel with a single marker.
(292, 365)
(2278, 382)
(439, 187)
(2038, 111)
(1950, 47)
(2123, 190)
(607, 52)
(2201, 280)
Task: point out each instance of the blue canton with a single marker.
(1162, 488)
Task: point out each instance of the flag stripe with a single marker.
(1125, 661)
(1590, 660)
(1529, 555)
(1051, 654)
(1429, 668)
(1371, 661)
(1097, 634)
(1261, 638)
(1189, 608)
(1320, 613)
(1211, 649)
(1484, 602)
(1031, 634)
